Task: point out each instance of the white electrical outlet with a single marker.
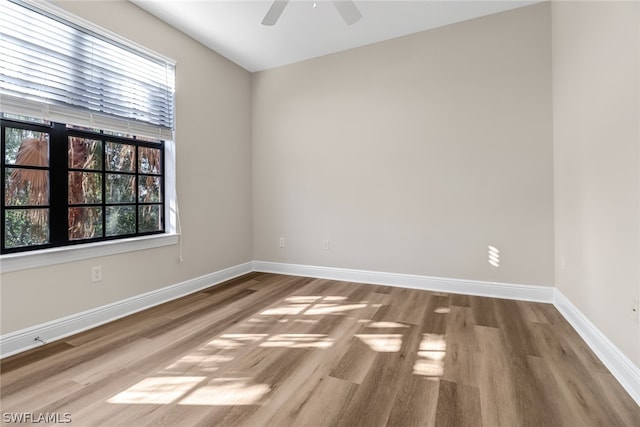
(282, 242)
(96, 273)
(325, 245)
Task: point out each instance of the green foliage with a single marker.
(120, 157)
(120, 188)
(121, 220)
(149, 189)
(20, 229)
(149, 218)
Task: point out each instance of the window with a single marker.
(85, 120)
(64, 185)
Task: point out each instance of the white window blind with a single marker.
(55, 69)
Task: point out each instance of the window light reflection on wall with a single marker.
(494, 256)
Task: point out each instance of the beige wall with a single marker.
(412, 155)
(596, 77)
(213, 183)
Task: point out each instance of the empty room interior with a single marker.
(339, 213)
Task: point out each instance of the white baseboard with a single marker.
(430, 283)
(627, 374)
(16, 342)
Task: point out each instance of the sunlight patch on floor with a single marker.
(303, 298)
(382, 343)
(285, 310)
(430, 361)
(204, 362)
(168, 386)
(386, 325)
(320, 309)
(227, 392)
(157, 390)
(298, 341)
(312, 306)
(232, 341)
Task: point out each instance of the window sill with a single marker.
(45, 257)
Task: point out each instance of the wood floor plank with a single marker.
(436, 314)
(460, 362)
(407, 307)
(273, 350)
(577, 386)
(46, 394)
(484, 312)
(370, 337)
(515, 329)
(562, 331)
(612, 390)
(535, 312)
(372, 402)
(132, 326)
(461, 300)
(326, 405)
(532, 401)
(498, 404)
(107, 364)
(356, 362)
(34, 355)
(458, 405)
(415, 403)
(559, 414)
(89, 404)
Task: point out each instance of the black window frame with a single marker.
(58, 227)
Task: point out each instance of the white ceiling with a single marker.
(234, 30)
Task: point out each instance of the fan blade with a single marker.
(274, 12)
(348, 10)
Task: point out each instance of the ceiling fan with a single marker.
(347, 9)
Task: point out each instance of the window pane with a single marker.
(121, 157)
(85, 153)
(25, 227)
(26, 187)
(26, 147)
(121, 188)
(149, 189)
(85, 223)
(149, 160)
(121, 220)
(150, 218)
(85, 187)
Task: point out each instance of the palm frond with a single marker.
(33, 152)
(33, 182)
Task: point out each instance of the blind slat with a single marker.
(52, 65)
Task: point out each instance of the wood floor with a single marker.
(275, 350)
